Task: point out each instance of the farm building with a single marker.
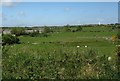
(32, 30)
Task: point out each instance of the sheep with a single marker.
(86, 46)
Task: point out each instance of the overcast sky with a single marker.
(58, 13)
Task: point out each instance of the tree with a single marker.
(67, 28)
(18, 31)
(47, 30)
(34, 33)
(79, 28)
(9, 39)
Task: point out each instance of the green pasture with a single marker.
(67, 41)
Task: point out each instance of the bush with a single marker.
(34, 33)
(9, 39)
(118, 35)
(79, 28)
(67, 28)
(37, 34)
(18, 31)
(47, 30)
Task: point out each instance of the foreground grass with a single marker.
(63, 64)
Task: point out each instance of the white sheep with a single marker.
(78, 46)
(109, 58)
(86, 46)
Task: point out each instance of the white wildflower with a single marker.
(62, 69)
(14, 35)
(109, 58)
(117, 45)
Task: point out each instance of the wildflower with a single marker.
(75, 66)
(62, 69)
(102, 64)
(78, 46)
(114, 67)
(14, 35)
(97, 56)
(117, 45)
(109, 58)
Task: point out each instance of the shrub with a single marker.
(34, 33)
(67, 29)
(118, 35)
(9, 39)
(47, 30)
(79, 28)
(18, 31)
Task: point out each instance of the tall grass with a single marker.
(58, 64)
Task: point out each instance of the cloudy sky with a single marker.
(58, 13)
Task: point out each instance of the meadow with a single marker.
(87, 54)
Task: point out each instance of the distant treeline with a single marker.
(89, 25)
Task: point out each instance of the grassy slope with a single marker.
(94, 40)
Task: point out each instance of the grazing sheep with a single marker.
(109, 58)
(106, 38)
(78, 46)
(34, 43)
(86, 46)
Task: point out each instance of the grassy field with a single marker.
(64, 55)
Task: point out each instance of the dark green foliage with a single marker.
(67, 28)
(9, 39)
(44, 35)
(79, 28)
(34, 33)
(118, 35)
(47, 30)
(18, 31)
